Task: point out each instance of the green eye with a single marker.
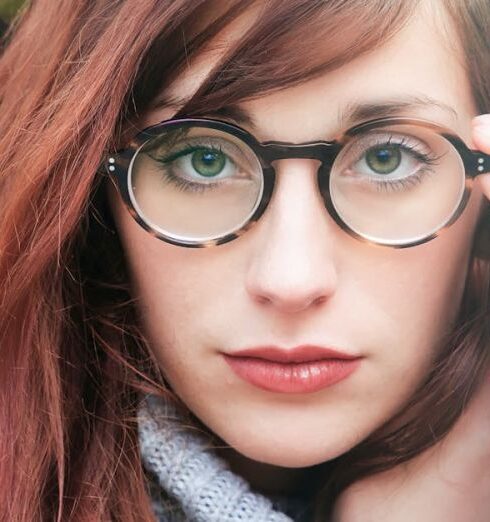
(384, 159)
(208, 162)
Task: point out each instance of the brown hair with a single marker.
(73, 75)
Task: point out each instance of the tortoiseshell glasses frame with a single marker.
(118, 166)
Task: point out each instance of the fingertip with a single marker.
(482, 120)
(481, 138)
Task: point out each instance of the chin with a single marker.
(292, 455)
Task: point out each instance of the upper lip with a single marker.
(304, 353)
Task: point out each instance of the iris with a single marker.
(208, 162)
(384, 159)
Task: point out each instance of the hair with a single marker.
(74, 77)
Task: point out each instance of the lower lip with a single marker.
(306, 377)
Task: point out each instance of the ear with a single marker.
(481, 139)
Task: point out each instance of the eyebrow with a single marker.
(352, 114)
(359, 112)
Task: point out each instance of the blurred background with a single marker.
(8, 8)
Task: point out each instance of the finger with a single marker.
(481, 132)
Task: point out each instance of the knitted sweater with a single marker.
(188, 481)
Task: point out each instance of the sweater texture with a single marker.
(188, 481)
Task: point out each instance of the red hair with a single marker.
(73, 355)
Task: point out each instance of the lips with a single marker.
(305, 353)
(304, 369)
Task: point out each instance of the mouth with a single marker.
(304, 369)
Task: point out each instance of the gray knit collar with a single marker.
(189, 481)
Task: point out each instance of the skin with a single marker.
(297, 278)
(449, 482)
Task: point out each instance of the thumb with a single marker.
(481, 132)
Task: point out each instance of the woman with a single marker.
(126, 389)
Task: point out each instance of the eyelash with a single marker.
(380, 185)
(180, 183)
(411, 181)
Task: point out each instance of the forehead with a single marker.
(423, 61)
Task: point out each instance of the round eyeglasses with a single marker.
(199, 182)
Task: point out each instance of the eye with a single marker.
(203, 162)
(197, 162)
(384, 159)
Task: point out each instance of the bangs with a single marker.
(289, 42)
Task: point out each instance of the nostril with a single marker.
(291, 301)
(262, 299)
(319, 300)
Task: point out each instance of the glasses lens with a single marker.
(397, 184)
(195, 183)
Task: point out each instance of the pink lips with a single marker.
(304, 369)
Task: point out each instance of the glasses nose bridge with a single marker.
(323, 151)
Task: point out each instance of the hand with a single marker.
(450, 482)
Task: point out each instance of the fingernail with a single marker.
(482, 120)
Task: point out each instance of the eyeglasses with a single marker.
(200, 182)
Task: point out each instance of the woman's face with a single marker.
(296, 278)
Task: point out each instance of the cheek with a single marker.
(179, 292)
(420, 291)
(415, 294)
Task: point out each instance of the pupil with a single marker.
(384, 159)
(208, 162)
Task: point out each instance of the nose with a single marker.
(293, 266)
